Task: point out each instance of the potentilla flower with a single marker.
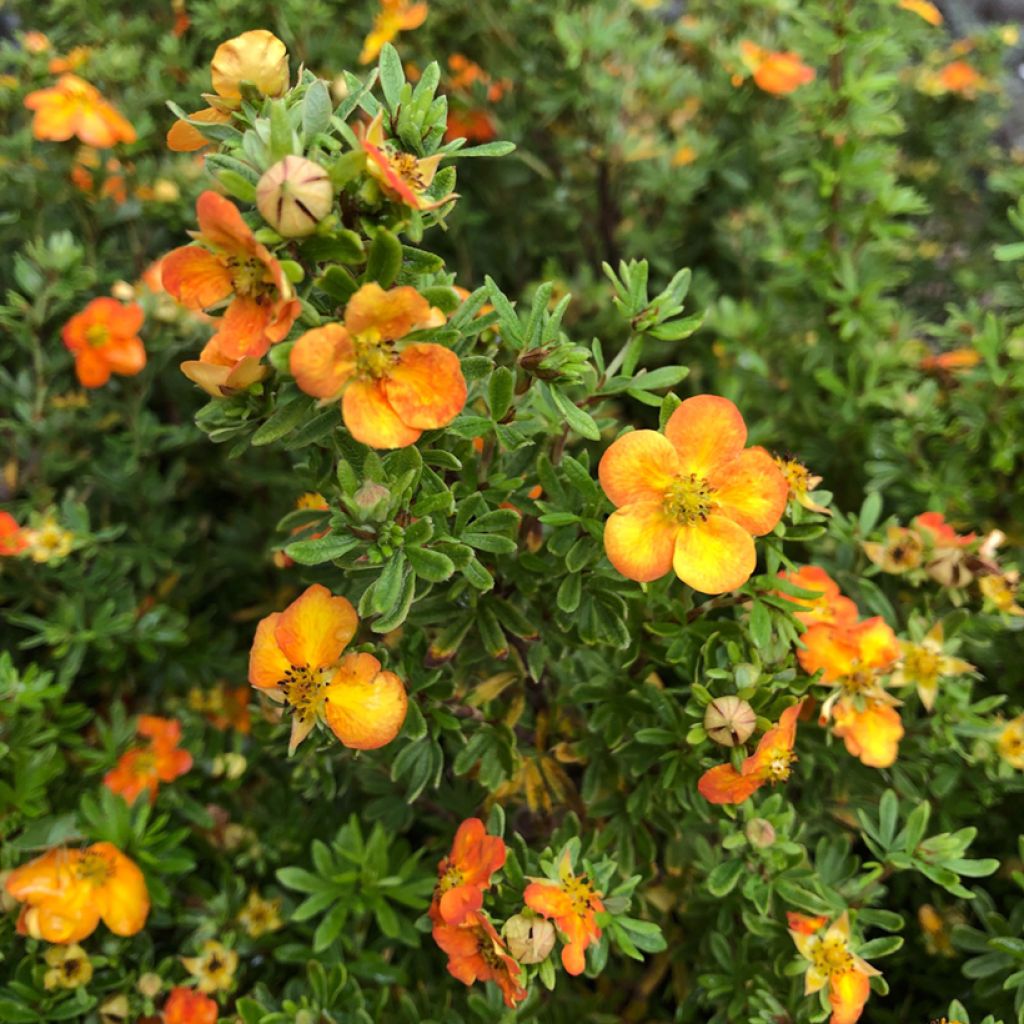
(778, 72)
(187, 1006)
(923, 9)
(66, 893)
(232, 265)
(1011, 743)
(145, 767)
(902, 551)
(923, 664)
(214, 968)
(73, 107)
(219, 376)
(831, 607)
(260, 916)
(476, 953)
(938, 533)
(801, 482)
(69, 967)
(257, 59)
(225, 707)
(476, 125)
(393, 17)
(951, 362)
(572, 903)
(960, 78)
(391, 390)
(870, 728)
(402, 176)
(1000, 592)
(13, 538)
(692, 499)
(465, 873)
(104, 339)
(832, 963)
(296, 659)
(49, 541)
(769, 763)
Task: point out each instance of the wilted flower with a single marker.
(901, 552)
(402, 176)
(73, 107)
(104, 339)
(260, 916)
(214, 968)
(1000, 591)
(801, 484)
(69, 967)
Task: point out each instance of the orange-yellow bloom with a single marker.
(900, 553)
(219, 376)
(104, 338)
(923, 9)
(13, 538)
(572, 903)
(831, 962)
(778, 72)
(1010, 743)
(296, 658)
(950, 362)
(801, 482)
(936, 531)
(870, 728)
(923, 664)
(831, 607)
(257, 59)
(476, 953)
(959, 77)
(402, 176)
(73, 107)
(66, 893)
(234, 266)
(145, 767)
(186, 1006)
(692, 499)
(391, 391)
(1000, 591)
(465, 873)
(769, 763)
(394, 16)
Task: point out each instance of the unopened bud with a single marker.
(150, 985)
(122, 291)
(760, 833)
(371, 500)
(529, 939)
(294, 195)
(729, 721)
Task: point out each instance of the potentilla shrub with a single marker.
(558, 675)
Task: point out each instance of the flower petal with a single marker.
(370, 418)
(714, 556)
(196, 277)
(426, 387)
(267, 664)
(242, 331)
(750, 490)
(640, 541)
(848, 992)
(186, 138)
(323, 360)
(123, 899)
(392, 313)
(830, 648)
(638, 466)
(365, 706)
(548, 898)
(872, 735)
(724, 785)
(706, 431)
(316, 627)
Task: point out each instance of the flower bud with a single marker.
(529, 939)
(729, 721)
(760, 833)
(371, 500)
(294, 195)
(150, 985)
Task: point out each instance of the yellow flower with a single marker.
(214, 967)
(1011, 743)
(1000, 591)
(395, 16)
(801, 483)
(923, 9)
(260, 916)
(70, 967)
(924, 664)
(900, 553)
(50, 541)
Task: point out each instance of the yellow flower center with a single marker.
(374, 357)
(922, 664)
(97, 335)
(580, 891)
(831, 956)
(94, 868)
(488, 953)
(407, 167)
(688, 499)
(451, 879)
(249, 277)
(859, 681)
(304, 687)
(795, 473)
(778, 768)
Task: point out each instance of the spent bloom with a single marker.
(67, 892)
(143, 768)
(801, 484)
(74, 108)
(393, 17)
(769, 763)
(187, 1006)
(832, 963)
(231, 265)
(401, 176)
(391, 390)
(69, 967)
(296, 658)
(214, 968)
(572, 903)
(924, 663)
(104, 339)
(476, 953)
(1000, 592)
(465, 873)
(902, 551)
(260, 916)
(691, 499)
(778, 72)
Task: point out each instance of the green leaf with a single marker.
(578, 420)
(500, 391)
(429, 565)
(392, 76)
(723, 877)
(385, 259)
(283, 420)
(880, 947)
(321, 549)
(316, 109)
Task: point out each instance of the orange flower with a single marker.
(774, 71)
(571, 903)
(67, 892)
(144, 768)
(104, 338)
(235, 266)
(959, 77)
(692, 499)
(35, 42)
(87, 160)
(936, 531)
(186, 1006)
(257, 59)
(923, 9)
(465, 873)
(474, 125)
(871, 733)
(74, 107)
(769, 763)
(476, 953)
(950, 362)
(222, 377)
(401, 176)
(832, 607)
(394, 16)
(831, 963)
(75, 58)
(296, 658)
(390, 393)
(13, 538)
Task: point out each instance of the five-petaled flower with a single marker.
(66, 892)
(231, 265)
(69, 967)
(1010, 742)
(572, 903)
(214, 968)
(144, 767)
(187, 1006)
(393, 17)
(296, 659)
(465, 873)
(691, 499)
(476, 953)
(402, 176)
(778, 72)
(391, 390)
(801, 484)
(73, 107)
(104, 339)
(831, 962)
(924, 663)
(769, 763)
(831, 607)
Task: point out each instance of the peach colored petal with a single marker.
(706, 431)
(371, 420)
(872, 735)
(267, 662)
(126, 356)
(123, 900)
(323, 360)
(549, 899)
(848, 992)
(222, 226)
(392, 314)
(186, 138)
(91, 369)
(714, 556)
(638, 466)
(829, 648)
(750, 490)
(316, 627)
(365, 706)
(196, 277)
(242, 331)
(640, 541)
(426, 387)
(724, 785)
